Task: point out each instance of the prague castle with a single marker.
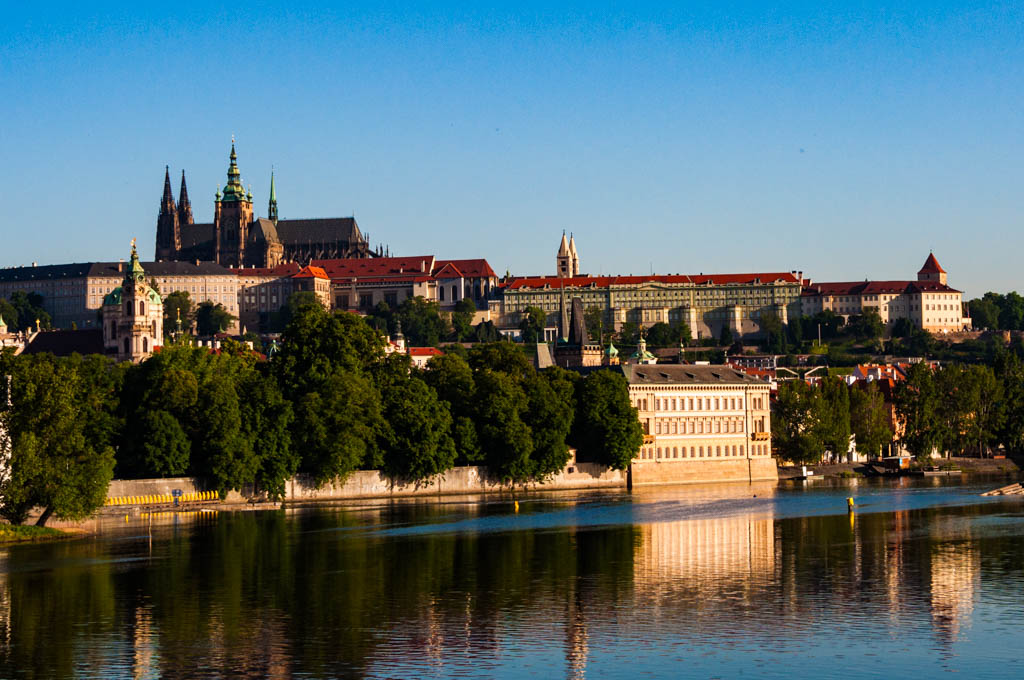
(236, 238)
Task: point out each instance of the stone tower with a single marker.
(932, 271)
(133, 316)
(574, 258)
(168, 223)
(564, 259)
(184, 206)
(232, 215)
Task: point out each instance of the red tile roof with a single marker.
(875, 288)
(424, 352)
(470, 268)
(311, 272)
(696, 279)
(448, 271)
(931, 266)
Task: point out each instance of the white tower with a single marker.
(564, 259)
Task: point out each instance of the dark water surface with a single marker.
(926, 579)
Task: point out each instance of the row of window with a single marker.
(698, 403)
(695, 426)
(671, 452)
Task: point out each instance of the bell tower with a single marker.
(232, 216)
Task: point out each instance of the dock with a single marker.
(1010, 490)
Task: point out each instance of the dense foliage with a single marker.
(330, 402)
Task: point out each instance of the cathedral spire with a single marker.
(233, 190)
(272, 208)
(167, 202)
(184, 205)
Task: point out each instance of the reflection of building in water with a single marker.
(5, 605)
(894, 546)
(705, 552)
(144, 646)
(576, 638)
(956, 575)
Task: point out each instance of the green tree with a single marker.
(594, 318)
(796, 423)
(452, 379)
(984, 312)
(30, 311)
(422, 324)
(532, 324)
(462, 318)
(549, 415)
(606, 430)
(9, 313)
(177, 305)
(867, 326)
(54, 464)
(1009, 370)
(834, 417)
(1011, 312)
(725, 338)
(485, 331)
(505, 438)
(774, 333)
(505, 357)
(419, 442)
(212, 318)
(869, 419)
(917, 403)
(339, 427)
(224, 452)
(166, 448)
(266, 420)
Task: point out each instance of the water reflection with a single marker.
(722, 581)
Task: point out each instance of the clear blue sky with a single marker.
(845, 139)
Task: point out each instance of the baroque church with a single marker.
(236, 238)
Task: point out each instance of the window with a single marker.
(440, 292)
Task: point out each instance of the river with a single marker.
(715, 581)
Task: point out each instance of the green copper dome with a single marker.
(234, 192)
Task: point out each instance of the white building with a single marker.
(133, 316)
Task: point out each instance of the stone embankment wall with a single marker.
(475, 480)
(460, 480)
(705, 471)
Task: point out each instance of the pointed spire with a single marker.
(234, 191)
(563, 248)
(563, 321)
(572, 244)
(167, 201)
(184, 205)
(135, 271)
(272, 207)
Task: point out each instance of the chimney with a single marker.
(120, 265)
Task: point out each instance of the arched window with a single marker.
(142, 308)
(440, 291)
(127, 346)
(145, 344)
(454, 296)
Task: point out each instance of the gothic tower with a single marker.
(232, 215)
(168, 225)
(184, 205)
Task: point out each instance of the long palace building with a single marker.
(237, 238)
(705, 302)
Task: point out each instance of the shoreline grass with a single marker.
(18, 533)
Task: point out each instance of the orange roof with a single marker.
(448, 271)
(424, 352)
(311, 272)
(931, 266)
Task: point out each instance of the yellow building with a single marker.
(929, 302)
(701, 423)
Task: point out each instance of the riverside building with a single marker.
(701, 423)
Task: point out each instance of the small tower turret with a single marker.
(184, 205)
(564, 259)
(272, 206)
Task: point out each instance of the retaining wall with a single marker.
(705, 471)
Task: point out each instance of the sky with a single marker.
(841, 139)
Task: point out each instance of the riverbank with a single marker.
(1011, 466)
(17, 533)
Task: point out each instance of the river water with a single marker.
(926, 578)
